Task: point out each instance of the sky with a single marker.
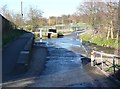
(49, 7)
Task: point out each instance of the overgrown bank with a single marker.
(98, 40)
(9, 31)
(8, 37)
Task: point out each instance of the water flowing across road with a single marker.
(65, 67)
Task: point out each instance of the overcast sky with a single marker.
(49, 7)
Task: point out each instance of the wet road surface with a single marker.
(65, 68)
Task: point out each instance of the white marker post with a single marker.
(81, 41)
(102, 60)
(41, 35)
(92, 58)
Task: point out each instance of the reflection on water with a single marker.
(75, 45)
(71, 42)
(67, 43)
(65, 65)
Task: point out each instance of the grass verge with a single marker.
(100, 41)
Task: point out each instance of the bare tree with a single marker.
(34, 16)
(13, 17)
(52, 20)
(6, 13)
(101, 15)
(111, 17)
(18, 19)
(91, 12)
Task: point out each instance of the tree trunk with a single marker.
(111, 29)
(108, 33)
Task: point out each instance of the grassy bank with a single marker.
(8, 37)
(100, 41)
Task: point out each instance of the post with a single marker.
(92, 58)
(114, 64)
(117, 47)
(41, 35)
(81, 40)
(22, 15)
(102, 59)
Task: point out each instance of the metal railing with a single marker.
(105, 61)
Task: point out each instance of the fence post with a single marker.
(102, 59)
(40, 33)
(92, 58)
(81, 40)
(114, 64)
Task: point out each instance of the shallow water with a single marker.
(64, 66)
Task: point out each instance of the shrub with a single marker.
(37, 35)
(60, 34)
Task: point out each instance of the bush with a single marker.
(60, 34)
(85, 37)
(37, 35)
